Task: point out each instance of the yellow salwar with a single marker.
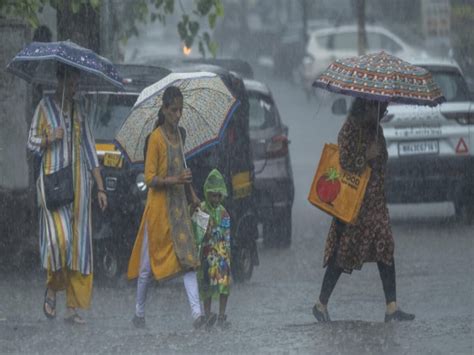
(78, 287)
(169, 225)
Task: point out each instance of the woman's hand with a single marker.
(54, 134)
(373, 151)
(185, 177)
(102, 199)
(57, 134)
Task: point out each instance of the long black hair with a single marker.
(359, 108)
(171, 93)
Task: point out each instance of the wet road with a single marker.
(272, 312)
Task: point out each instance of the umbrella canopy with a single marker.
(37, 62)
(207, 107)
(382, 77)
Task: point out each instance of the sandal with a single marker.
(52, 306)
(222, 322)
(74, 319)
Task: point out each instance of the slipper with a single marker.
(74, 319)
(52, 306)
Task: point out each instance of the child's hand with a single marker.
(210, 226)
(195, 205)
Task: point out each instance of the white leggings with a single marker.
(190, 283)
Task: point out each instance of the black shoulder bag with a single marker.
(58, 186)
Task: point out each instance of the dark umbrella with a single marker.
(37, 63)
(382, 77)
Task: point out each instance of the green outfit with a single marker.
(214, 274)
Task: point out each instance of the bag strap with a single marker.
(72, 129)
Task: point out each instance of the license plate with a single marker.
(113, 160)
(415, 148)
(418, 132)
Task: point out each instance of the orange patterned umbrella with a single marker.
(382, 77)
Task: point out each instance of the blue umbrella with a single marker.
(37, 62)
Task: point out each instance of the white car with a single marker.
(431, 148)
(326, 45)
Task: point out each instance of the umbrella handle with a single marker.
(182, 148)
(378, 122)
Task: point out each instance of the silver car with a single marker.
(274, 187)
(431, 149)
(327, 44)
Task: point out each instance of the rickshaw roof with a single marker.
(135, 77)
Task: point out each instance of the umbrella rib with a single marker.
(197, 111)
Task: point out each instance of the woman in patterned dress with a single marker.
(65, 233)
(165, 246)
(362, 143)
(214, 273)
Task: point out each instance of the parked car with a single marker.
(431, 149)
(326, 45)
(116, 230)
(273, 174)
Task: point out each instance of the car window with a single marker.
(107, 112)
(377, 41)
(262, 112)
(345, 41)
(374, 41)
(389, 44)
(452, 85)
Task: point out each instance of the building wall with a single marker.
(14, 108)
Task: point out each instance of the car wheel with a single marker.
(283, 228)
(464, 212)
(277, 231)
(243, 264)
(108, 261)
(245, 254)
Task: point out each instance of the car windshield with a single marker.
(452, 84)
(107, 111)
(261, 111)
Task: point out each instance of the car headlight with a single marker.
(140, 182)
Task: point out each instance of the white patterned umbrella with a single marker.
(207, 107)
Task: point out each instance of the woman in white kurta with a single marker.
(61, 139)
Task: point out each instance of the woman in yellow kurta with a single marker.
(165, 244)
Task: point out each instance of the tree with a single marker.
(462, 18)
(361, 34)
(71, 15)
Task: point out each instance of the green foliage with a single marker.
(462, 18)
(137, 11)
(188, 27)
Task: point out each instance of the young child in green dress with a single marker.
(214, 275)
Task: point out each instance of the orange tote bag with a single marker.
(335, 190)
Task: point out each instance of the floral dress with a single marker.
(370, 238)
(214, 273)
